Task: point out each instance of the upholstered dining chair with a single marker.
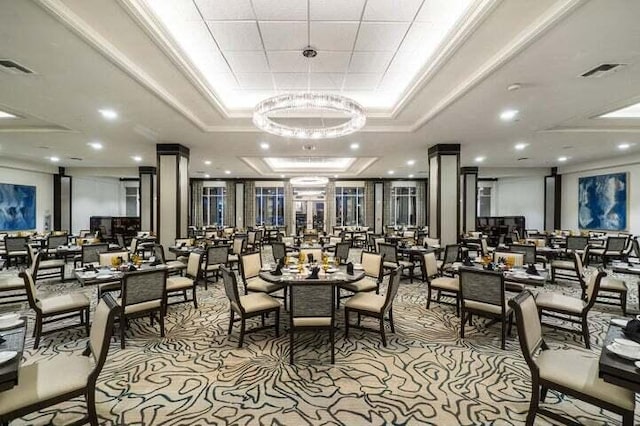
(450, 262)
(449, 286)
(569, 372)
(250, 266)
(482, 293)
(567, 269)
(45, 268)
(374, 305)
(316, 253)
(391, 260)
(180, 284)
(16, 249)
(248, 306)
(174, 267)
(217, 257)
(142, 293)
(515, 258)
(279, 251)
(90, 254)
(12, 290)
(54, 308)
(373, 275)
(60, 378)
(572, 309)
(238, 248)
(311, 308)
(614, 249)
(106, 258)
(529, 252)
(55, 241)
(342, 251)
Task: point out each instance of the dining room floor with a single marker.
(427, 374)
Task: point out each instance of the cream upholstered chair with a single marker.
(54, 308)
(450, 286)
(482, 293)
(391, 260)
(248, 306)
(566, 268)
(51, 381)
(180, 284)
(105, 259)
(449, 264)
(529, 253)
(217, 257)
(15, 249)
(90, 254)
(143, 293)
(431, 242)
(373, 274)
(279, 251)
(12, 290)
(311, 309)
(374, 305)
(316, 253)
(572, 309)
(173, 266)
(45, 268)
(516, 259)
(238, 248)
(614, 249)
(250, 265)
(55, 241)
(570, 372)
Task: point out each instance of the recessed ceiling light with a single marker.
(390, 172)
(631, 111)
(479, 159)
(207, 162)
(335, 176)
(207, 176)
(624, 146)
(4, 114)
(355, 146)
(54, 159)
(509, 114)
(264, 145)
(562, 159)
(514, 86)
(136, 158)
(108, 114)
(228, 172)
(520, 146)
(282, 176)
(95, 145)
(410, 176)
(411, 162)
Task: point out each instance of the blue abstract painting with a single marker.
(602, 202)
(17, 207)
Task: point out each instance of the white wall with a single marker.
(521, 196)
(43, 181)
(570, 177)
(94, 196)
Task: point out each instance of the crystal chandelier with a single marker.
(309, 101)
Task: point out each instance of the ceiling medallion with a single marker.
(309, 181)
(304, 102)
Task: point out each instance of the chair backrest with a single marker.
(250, 265)
(231, 288)
(451, 254)
(30, 286)
(288, 241)
(616, 244)
(378, 241)
(54, 241)
(239, 245)
(528, 250)
(101, 330)
(392, 289)
(636, 247)
(194, 264)
(251, 237)
(14, 244)
(592, 286)
(529, 328)
(389, 251)
(371, 239)
(430, 265)
(158, 252)
(259, 235)
(431, 242)
(120, 240)
(186, 242)
(84, 233)
(106, 258)
(335, 240)
(279, 251)
(143, 286)
(91, 252)
(515, 258)
(315, 252)
(479, 285)
(342, 250)
(134, 245)
(372, 264)
(575, 242)
(312, 301)
(217, 255)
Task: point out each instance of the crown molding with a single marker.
(591, 130)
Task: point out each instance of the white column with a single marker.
(444, 192)
(147, 198)
(469, 197)
(173, 192)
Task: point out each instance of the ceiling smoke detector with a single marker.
(308, 147)
(309, 52)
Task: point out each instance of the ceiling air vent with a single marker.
(7, 65)
(602, 70)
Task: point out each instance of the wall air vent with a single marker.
(602, 70)
(12, 67)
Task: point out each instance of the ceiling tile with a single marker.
(284, 35)
(210, 61)
(359, 81)
(333, 35)
(224, 81)
(391, 10)
(255, 80)
(281, 10)
(395, 81)
(330, 62)
(243, 62)
(380, 35)
(423, 37)
(289, 80)
(336, 10)
(442, 12)
(370, 62)
(175, 10)
(236, 35)
(288, 61)
(406, 62)
(326, 81)
(192, 36)
(219, 10)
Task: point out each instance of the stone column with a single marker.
(148, 205)
(444, 192)
(173, 193)
(469, 197)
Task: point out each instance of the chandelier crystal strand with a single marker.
(305, 101)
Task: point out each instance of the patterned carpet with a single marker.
(426, 375)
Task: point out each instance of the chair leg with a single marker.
(242, 328)
(627, 418)
(382, 333)
(462, 323)
(585, 332)
(543, 393)
(161, 320)
(393, 328)
(346, 323)
(277, 324)
(623, 303)
(333, 344)
(533, 405)
(231, 315)
(503, 332)
(123, 325)
(195, 299)
(457, 304)
(90, 397)
(510, 324)
(38, 331)
(291, 346)
(87, 326)
(428, 295)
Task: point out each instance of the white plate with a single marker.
(619, 322)
(616, 350)
(627, 342)
(12, 325)
(637, 364)
(109, 275)
(7, 355)
(332, 270)
(358, 268)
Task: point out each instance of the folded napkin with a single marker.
(350, 268)
(310, 257)
(632, 330)
(490, 266)
(467, 261)
(314, 273)
(531, 269)
(278, 270)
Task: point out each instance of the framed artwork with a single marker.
(17, 207)
(602, 202)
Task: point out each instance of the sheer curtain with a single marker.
(196, 202)
(369, 204)
(387, 205)
(230, 204)
(330, 206)
(249, 203)
(421, 195)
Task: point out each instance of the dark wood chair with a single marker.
(180, 284)
(613, 249)
(311, 309)
(391, 260)
(567, 371)
(216, 258)
(16, 250)
(443, 285)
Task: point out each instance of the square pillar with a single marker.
(173, 193)
(552, 200)
(444, 192)
(469, 199)
(62, 202)
(148, 183)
